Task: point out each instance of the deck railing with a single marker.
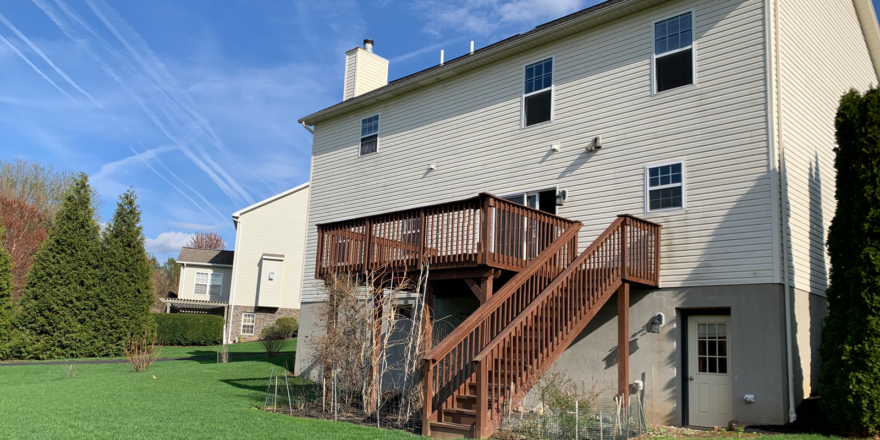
(482, 230)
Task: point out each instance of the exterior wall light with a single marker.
(595, 144)
(561, 196)
(656, 322)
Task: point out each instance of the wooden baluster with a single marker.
(368, 240)
(422, 236)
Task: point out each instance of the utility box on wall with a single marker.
(269, 294)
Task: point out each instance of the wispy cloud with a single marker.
(431, 48)
(167, 243)
(109, 169)
(484, 17)
(193, 226)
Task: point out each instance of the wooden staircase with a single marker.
(492, 359)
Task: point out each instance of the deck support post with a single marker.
(623, 343)
(482, 287)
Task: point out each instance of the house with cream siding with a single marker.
(268, 268)
(261, 279)
(690, 139)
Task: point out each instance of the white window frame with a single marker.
(683, 185)
(522, 89)
(654, 51)
(207, 286)
(253, 326)
(361, 138)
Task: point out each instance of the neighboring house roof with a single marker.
(269, 200)
(206, 256)
(542, 34)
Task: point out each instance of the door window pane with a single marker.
(712, 348)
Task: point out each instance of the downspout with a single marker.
(787, 293)
(235, 260)
(307, 127)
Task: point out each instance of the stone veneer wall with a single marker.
(265, 316)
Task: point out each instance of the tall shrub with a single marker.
(56, 299)
(6, 286)
(125, 295)
(849, 382)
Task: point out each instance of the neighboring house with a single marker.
(268, 269)
(205, 280)
(258, 282)
(712, 118)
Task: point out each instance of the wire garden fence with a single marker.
(602, 419)
(328, 401)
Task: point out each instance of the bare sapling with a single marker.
(142, 351)
(359, 320)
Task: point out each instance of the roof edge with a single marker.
(481, 57)
(871, 31)
(238, 213)
(196, 263)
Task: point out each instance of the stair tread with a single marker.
(460, 410)
(450, 425)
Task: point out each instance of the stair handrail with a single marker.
(472, 322)
(561, 278)
(619, 234)
(468, 340)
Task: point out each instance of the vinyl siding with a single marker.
(372, 72)
(822, 54)
(278, 227)
(470, 126)
(188, 282)
(350, 69)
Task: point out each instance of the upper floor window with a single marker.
(208, 283)
(369, 135)
(673, 52)
(538, 92)
(665, 186)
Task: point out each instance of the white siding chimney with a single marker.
(364, 71)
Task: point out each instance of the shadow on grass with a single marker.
(259, 384)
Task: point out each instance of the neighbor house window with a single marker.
(369, 135)
(538, 92)
(665, 186)
(208, 283)
(673, 52)
(248, 321)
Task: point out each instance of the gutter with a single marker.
(776, 60)
(870, 30)
(228, 336)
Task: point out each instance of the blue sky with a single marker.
(194, 103)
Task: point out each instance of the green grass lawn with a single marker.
(181, 352)
(187, 399)
(243, 348)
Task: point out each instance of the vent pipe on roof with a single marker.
(441, 57)
(368, 45)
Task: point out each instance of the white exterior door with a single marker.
(710, 400)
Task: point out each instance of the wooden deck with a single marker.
(480, 231)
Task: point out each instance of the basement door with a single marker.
(710, 400)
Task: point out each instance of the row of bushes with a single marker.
(187, 330)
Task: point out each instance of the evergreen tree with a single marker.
(126, 292)
(849, 382)
(56, 301)
(6, 286)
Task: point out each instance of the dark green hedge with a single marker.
(186, 329)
